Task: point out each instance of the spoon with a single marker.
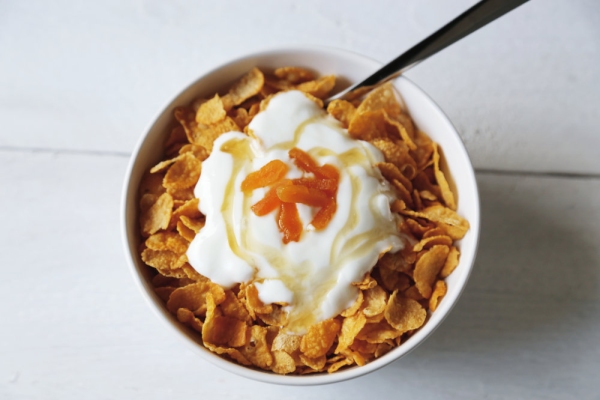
(474, 18)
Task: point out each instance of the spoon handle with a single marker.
(474, 18)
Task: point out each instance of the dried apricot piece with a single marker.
(328, 171)
(302, 194)
(270, 202)
(324, 215)
(289, 222)
(269, 174)
(303, 160)
(306, 163)
(326, 185)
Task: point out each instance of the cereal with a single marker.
(451, 262)
(176, 140)
(210, 133)
(342, 110)
(319, 338)
(392, 301)
(350, 328)
(193, 297)
(155, 213)
(355, 307)
(382, 98)
(233, 307)
(283, 363)
(318, 88)
(317, 364)
(248, 86)
(397, 153)
(430, 241)
(185, 232)
(294, 74)
(402, 131)
(287, 343)
(257, 350)
(167, 241)
(441, 180)
(198, 151)
(439, 291)
(428, 267)
(180, 195)
(211, 111)
(187, 317)
(404, 314)
(368, 125)
(374, 301)
(254, 304)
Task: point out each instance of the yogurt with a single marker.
(312, 277)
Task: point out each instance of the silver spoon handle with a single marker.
(474, 18)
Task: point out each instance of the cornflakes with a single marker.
(393, 300)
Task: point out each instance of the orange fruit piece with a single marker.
(325, 214)
(328, 171)
(270, 202)
(306, 163)
(303, 160)
(289, 222)
(269, 174)
(302, 194)
(326, 185)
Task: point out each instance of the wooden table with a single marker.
(79, 81)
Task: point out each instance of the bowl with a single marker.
(348, 67)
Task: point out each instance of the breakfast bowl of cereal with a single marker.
(294, 242)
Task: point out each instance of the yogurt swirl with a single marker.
(312, 277)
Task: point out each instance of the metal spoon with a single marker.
(474, 18)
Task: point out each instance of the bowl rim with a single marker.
(267, 376)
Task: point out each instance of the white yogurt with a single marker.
(312, 276)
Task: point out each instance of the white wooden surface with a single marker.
(80, 80)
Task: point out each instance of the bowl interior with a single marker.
(348, 67)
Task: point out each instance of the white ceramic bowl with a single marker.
(349, 67)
